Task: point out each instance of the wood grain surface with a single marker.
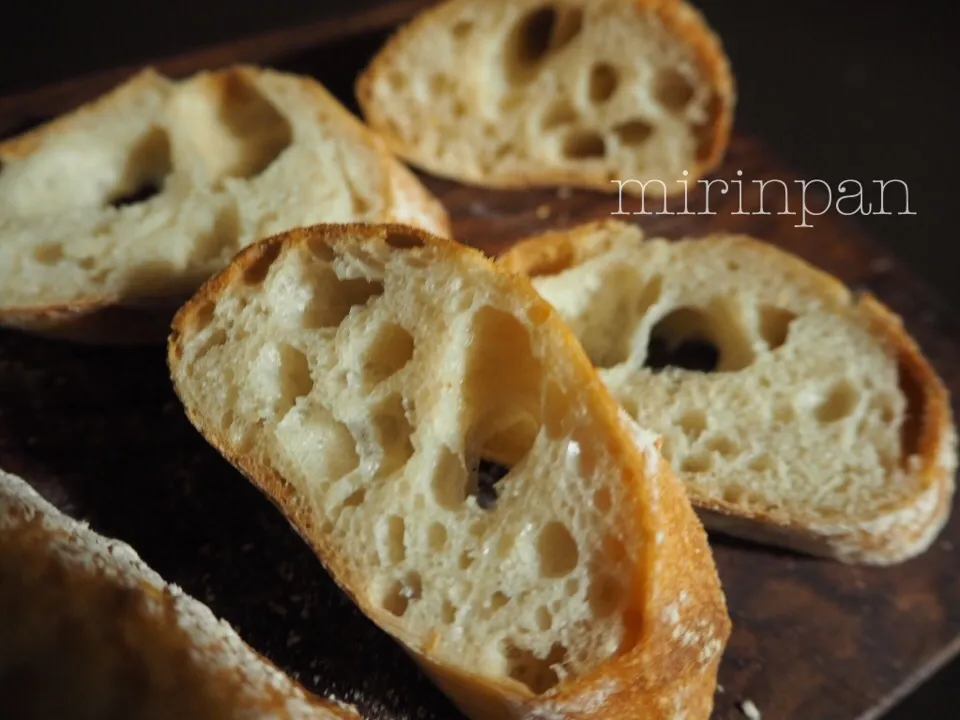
(101, 434)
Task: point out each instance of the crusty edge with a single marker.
(680, 18)
(22, 145)
(240, 671)
(895, 535)
(683, 625)
(109, 319)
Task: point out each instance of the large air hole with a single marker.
(602, 83)
(538, 674)
(584, 145)
(557, 550)
(145, 171)
(390, 351)
(235, 130)
(775, 325)
(538, 34)
(505, 407)
(672, 90)
(608, 341)
(700, 340)
(333, 298)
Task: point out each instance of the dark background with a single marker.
(859, 89)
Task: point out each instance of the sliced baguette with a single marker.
(374, 382)
(235, 155)
(513, 93)
(90, 632)
(823, 429)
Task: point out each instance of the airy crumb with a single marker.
(750, 710)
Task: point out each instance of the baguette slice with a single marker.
(514, 93)
(231, 156)
(822, 427)
(91, 632)
(435, 433)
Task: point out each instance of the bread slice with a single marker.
(90, 632)
(807, 417)
(138, 197)
(435, 433)
(579, 93)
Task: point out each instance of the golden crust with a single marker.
(83, 615)
(681, 19)
(680, 623)
(896, 534)
(112, 319)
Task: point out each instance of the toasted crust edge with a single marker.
(109, 319)
(681, 19)
(657, 670)
(887, 538)
(85, 554)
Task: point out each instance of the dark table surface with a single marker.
(861, 89)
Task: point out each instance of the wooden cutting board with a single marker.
(101, 434)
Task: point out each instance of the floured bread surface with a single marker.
(432, 429)
(141, 195)
(571, 92)
(91, 632)
(795, 412)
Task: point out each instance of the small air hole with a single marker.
(761, 464)
(462, 28)
(395, 539)
(697, 464)
(448, 614)
(140, 195)
(488, 475)
(263, 258)
(838, 404)
(774, 325)
(404, 241)
(398, 81)
(672, 90)
(584, 145)
(538, 674)
(602, 500)
(544, 619)
(48, 253)
(603, 82)
(355, 498)
(784, 412)
(722, 445)
(559, 114)
(437, 537)
(400, 593)
(604, 596)
(733, 494)
(693, 423)
(558, 551)
(633, 132)
(466, 560)
(498, 600)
